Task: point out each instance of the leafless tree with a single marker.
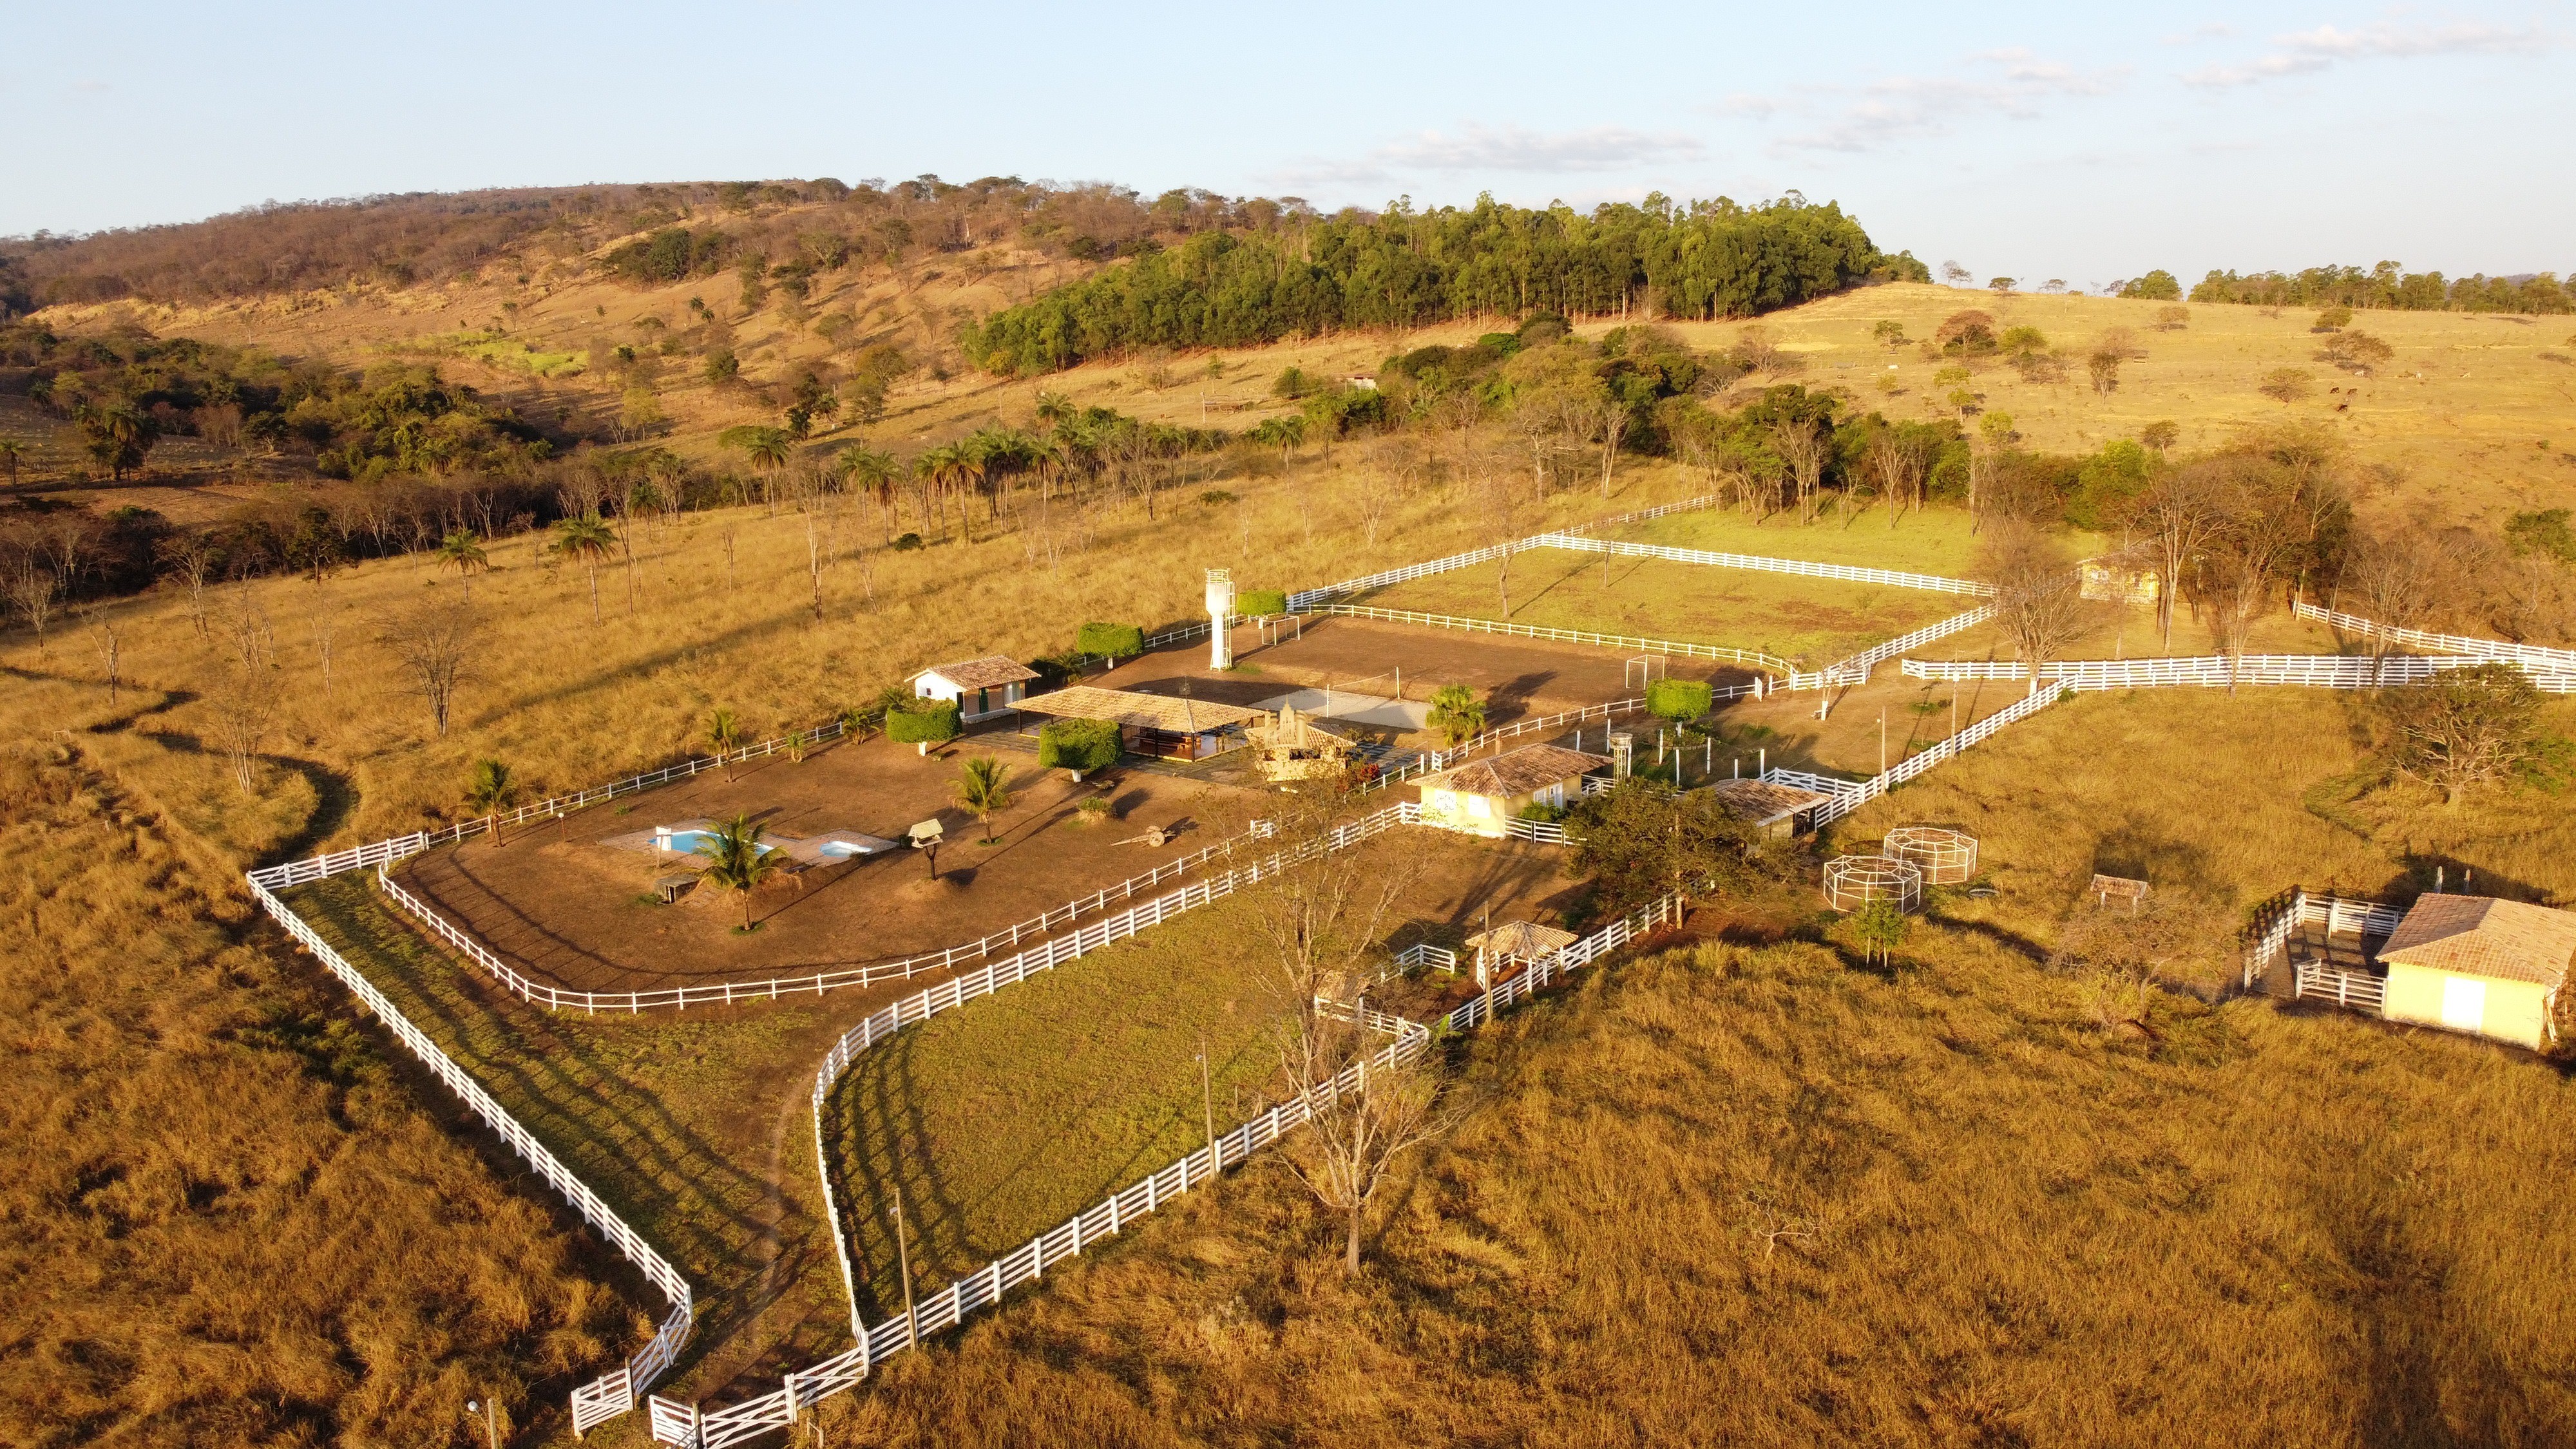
(434, 648)
(101, 628)
(1500, 509)
(34, 590)
(1801, 445)
(2400, 576)
(2258, 539)
(190, 558)
(2174, 520)
(2039, 597)
(243, 706)
(1899, 458)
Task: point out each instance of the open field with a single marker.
(1938, 541)
(1811, 622)
(578, 911)
(1004, 1120)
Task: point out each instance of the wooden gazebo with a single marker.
(1298, 747)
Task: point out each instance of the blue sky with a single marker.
(2080, 142)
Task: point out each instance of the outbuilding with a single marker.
(1479, 797)
(2480, 965)
(980, 688)
(1156, 724)
(1771, 808)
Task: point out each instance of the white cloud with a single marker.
(2310, 51)
(2014, 83)
(1476, 147)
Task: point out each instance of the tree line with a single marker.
(2387, 287)
(1405, 268)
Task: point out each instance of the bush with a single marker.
(923, 722)
(1678, 699)
(1079, 745)
(1117, 641)
(907, 543)
(1542, 813)
(1262, 602)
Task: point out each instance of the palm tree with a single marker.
(488, 789)
(12, 455)
(867, 470)
(769, 451)
(1055, 410)
(984, 786)
(589, 541)
(724, 733)
(737, 861)
(1457, 713)
(462, 550)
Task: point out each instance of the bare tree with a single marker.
(33, 588)
(1501, 511)
(243, 705)
(434, 647)
(2404, 579)
(1801, 445)
(101, 627)
(1324, 921)
(190, 558)
(1898, 456)
(2174, 519)
(2039, 597)
(2260, 535)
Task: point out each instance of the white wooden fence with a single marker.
(697, 1428)
(2532, 657)
(1305, 600)
(1850, 795)
(2218, 671)
(615, 1393)
(1760, 563)
(1751, 658)
(1434, 761)
(727, 993)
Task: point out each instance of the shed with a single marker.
(1770, 807)
(2476, 964)
(1298, 747)
(1479, 797)
(1152, 724)
(981, 688)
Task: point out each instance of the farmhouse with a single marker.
(1479, 797)
(1154, 724)
(980, 688)
(1771, 808)
(2480, 965)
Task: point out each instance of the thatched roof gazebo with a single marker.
(1151, 724)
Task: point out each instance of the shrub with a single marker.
(1092, 810)
(907, 543)
(1261, 602)
(1542, 813)
(1678, 699)
(1079, 745)
(923, 722)
(1966, 334)
(1117, 641)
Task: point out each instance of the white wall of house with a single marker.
(972, 704)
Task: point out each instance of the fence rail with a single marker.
(1434, 761)
(1304, 600)
(1761, 563)
(688, 1425)
(2351, 990)
(1751, 658)
(1850, 795)
(614, 1393)
(2532, 656)
(728, 993)
(2218, 671)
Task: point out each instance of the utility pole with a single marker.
(1882, 739)
(1207, 1107)
(903, 1261)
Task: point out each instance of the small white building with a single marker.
(1479, 798)
(2480, 965)
(980, 688)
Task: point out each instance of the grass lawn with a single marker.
(693, 1126)
(1924, 541)
(1011, 1115)
(1809, 621)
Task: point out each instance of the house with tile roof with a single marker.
(1481, 795)
(980, 688)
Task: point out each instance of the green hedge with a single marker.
(1118, 641)
(927, 721)
(1261, 602)
(1079, 745)
(1678, 699)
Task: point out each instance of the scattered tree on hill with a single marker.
(117, 436)
(244, 706)
(2121, 957)
(1999, 285)
(2469, 728)
(2160, 436)
(983, 787)
(1901, 455)
(2156, 286)
(462, 549)
(2333, 319)
(1955, 275)
(2104, 365)
(2286, 384)
(1456, 713)
(1970, 333)
(1889, 331)
(34, 589)
(2355, 352)
(2171, 319)
(737, 861)
(2178, 513)
(2038, 594)
(434, 647)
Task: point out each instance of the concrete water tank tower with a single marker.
(1220, 607)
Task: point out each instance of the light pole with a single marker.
(490, 1410)
(903, 1265)
(1207, 1107)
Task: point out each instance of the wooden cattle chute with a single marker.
(1853, 881)
(1945, 856)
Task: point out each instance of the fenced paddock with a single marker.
(2218, 671)
(1945, 856)
(1893, 578)
(1853, 881)
(2532, 657)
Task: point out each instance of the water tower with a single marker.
(1220, 607)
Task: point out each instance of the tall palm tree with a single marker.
(867, 470)
(724, 734)
(488, 789)
(737, 861)
(983, 786)
(1055, 410)
(462, 550)
(589, 541)
(13, 455)
(770, 451)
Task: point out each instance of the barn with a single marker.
(2480, 965)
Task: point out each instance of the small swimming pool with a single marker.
(687, 842)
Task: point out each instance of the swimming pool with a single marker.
(688, 842)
